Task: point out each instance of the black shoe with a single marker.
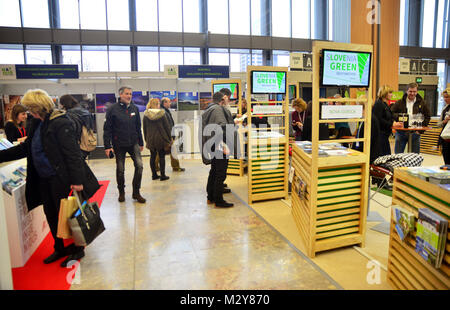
(164, 177)
(121, 196)
(155, 177)
(225, 185)
(179, 169)
(209, 201)
(226, 190)
(224, 204)
(54, 257)
(70, 260)
(139, 198)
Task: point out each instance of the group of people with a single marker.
(385, 118)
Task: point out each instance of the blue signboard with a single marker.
(207, 72)
(47, 71)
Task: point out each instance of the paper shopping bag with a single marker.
(445, 134)
(67, 208)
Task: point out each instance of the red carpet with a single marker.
(35, 275)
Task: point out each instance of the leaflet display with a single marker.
(268, 82)
(346, 68)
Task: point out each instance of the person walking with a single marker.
(385, 119)
(54, 167)
(157, 137)
(411, 103)
(122, 134)
(15, 128)
(443, 120)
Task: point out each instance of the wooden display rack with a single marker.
(406, 268)
(268, 158)
(429, 139)
(332, 213)
(235, 166)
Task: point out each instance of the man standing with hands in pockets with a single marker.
(122, 134)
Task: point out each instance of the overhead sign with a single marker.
(342, 111)
(47, 72)
(171, 71)
(203, 71)
(300, 61)
(418, 66)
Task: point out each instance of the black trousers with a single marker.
(135, 154)
(51, 203)
(217, 176)
(162, 161)
(446, 152)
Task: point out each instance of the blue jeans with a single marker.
(401, 139)
(135, 154)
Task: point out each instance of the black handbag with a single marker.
(86, 223)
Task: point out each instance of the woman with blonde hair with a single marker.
(383, 114)
(54, 166)
(298, 117)
(157, 137)
(15, 128)
(443, 120)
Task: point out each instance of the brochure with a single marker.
(404, 221)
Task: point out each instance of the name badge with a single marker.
(133, 114)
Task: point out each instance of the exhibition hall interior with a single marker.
(224, 145)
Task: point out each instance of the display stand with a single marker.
(236, 166)
(332, 212)
(406, 268)
(429, 139)
(6, 282)
(268, 149)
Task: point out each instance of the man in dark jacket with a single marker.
(411, 103)
(165, 102)
(54, 166)
(122, 133)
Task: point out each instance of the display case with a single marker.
(406, 268)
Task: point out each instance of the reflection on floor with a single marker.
(177, 241)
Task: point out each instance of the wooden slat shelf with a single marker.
(406, 268)
(429, 139)
(332, 212)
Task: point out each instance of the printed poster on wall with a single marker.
(140, 99)
(171, 94)
(188, 101)
(104, 101)
(205, 100)
(9, 102)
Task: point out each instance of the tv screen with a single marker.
(233, 87)
(346, 68)
(268, 82)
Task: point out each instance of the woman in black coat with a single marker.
(15, 128)
(54, 166)
(383, 114)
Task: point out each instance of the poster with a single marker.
(104, 101)
(188, 101)
(205, 100)
(171, 94)
(140, 99)
(9, 102)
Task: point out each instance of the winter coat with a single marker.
(122, 126)
(384, 116)
(63, 152)
(420, 106)
(156, 129)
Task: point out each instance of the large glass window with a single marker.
(256, 18)
(281, 58)
(442, 24)
(330, 20)
(71, 55)
(68, 13)
(11, 54)
(219, 56)
(170, 56)
(192, 56)
(191, 15)
(147, 15)
(257, 57)
(300, 19)
(35, 13)
(148, 58)
(10, 13)
(170, 16)
(218, 16)
(95, 58)
(239, 17)
(118, 16)
(402, 23)
(38, 54)
(93, 14)
(428, 23)
(281, 22)
(239, 60)
(119, 58)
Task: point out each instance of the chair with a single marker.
(381, 177)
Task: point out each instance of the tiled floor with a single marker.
(177, 241)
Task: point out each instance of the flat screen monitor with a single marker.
(345, 68)
(233, 87)
(268, 82)
(292, 92)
